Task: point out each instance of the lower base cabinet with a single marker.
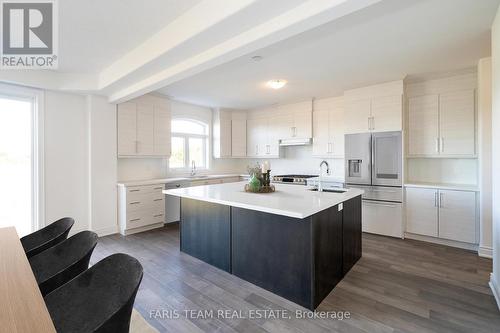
(446, 214)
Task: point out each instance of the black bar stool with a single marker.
(98, 300)
(47, 237)
(59, 264)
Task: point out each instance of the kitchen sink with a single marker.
(332, 190)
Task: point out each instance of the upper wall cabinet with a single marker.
(328, 128)
(295, 120)
(229, 133)
(144, 127)
(377, 108)
(442, 124)
(264, 129)
(441, 117)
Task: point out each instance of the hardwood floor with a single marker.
(397, 286)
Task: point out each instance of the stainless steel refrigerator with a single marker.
(373, 163)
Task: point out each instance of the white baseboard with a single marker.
(461, 245)
(485, 251)
(106, 231)
(495, 290)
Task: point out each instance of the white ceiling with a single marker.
(383, 42)
(95, 33)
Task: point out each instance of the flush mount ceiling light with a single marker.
(276, 84)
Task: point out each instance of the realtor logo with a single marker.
(29, 34)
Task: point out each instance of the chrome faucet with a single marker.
(327, 167)
(193, 168)
(320, 185)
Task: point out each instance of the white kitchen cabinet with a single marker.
(293, 121)
(143, 127)
(423, 125)
(222, 134)
(376, 114)
(422, 211)
(377, 108)
(140, 208)
(457, 123)
(446, 214)
(357, 117)
(145, 130)
(457, 215)
(127, 129)
(321, 133)
(387, 113)
(229, 133)
(442, 125)
(162, 131)
(262, 138)
(384, 218)
(328, 128)
(238, 134)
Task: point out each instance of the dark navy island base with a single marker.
(301, 260)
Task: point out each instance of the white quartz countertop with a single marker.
(444, 186)
(175, 180)
(288, 200)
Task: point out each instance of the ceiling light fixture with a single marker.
(276, 84)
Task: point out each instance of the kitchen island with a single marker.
(295, 242)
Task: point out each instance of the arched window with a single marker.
(189, 144)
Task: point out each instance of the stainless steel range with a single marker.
(292, 179)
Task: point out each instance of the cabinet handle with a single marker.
(379, 204)
(158, 215)
(442, 145)
(441, 196)
(256, 149)
(158, 188)
(134, 190)
(135, 202)
(134, 220)
(157, 199)
(373, 123)
(369, 124)
(177, 185)
(436, 199)
(437, 145)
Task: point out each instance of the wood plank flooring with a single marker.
(397, 286)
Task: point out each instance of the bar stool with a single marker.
(98, 300)
(59, 264)
(47, 237)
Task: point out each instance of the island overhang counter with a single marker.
(295, 242)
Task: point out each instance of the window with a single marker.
(189, 143)
(20, 174)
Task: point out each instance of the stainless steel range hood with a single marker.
(295, 142)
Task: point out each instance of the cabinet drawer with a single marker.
(382, 218)
(143, 218)
(133, 191)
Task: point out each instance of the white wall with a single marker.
(484, 138)
(103, 165)
(66, 159)
(495, 34)
(80, 161)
